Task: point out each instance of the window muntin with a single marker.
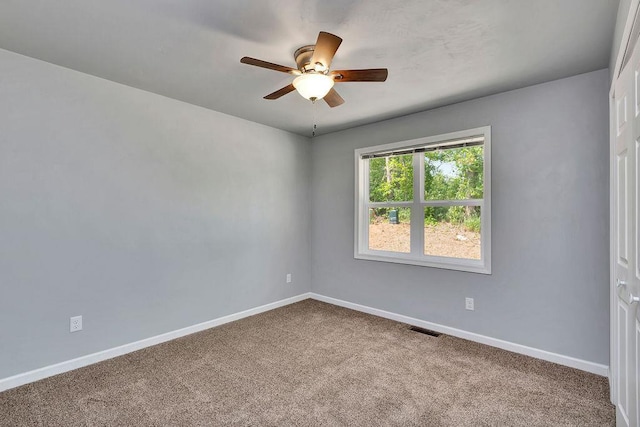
(426, 201)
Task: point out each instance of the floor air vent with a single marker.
(425, 331)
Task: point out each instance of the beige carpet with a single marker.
(312, 363)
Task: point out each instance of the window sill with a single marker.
(466, 265)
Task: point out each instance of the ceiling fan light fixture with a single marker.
(314, 80)
(313, 86)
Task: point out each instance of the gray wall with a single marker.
(145, 215)
(549, 287)
(141, 213)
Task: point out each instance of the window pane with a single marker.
(391, 179)
(390, 229)
(454, 174)
(452, 231)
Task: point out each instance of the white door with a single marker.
(626, 152)
(637, 363)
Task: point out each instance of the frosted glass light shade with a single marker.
(313, 85)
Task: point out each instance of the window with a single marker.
(426, 201)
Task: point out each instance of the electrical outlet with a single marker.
(75, 324)
(468, 304)
(289, 278)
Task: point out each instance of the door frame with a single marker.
(620, 54)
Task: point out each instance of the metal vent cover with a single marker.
(424, 331)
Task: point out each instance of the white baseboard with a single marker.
(58, 368)
(68, 365)
(594, 368)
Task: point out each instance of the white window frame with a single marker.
(416, 256)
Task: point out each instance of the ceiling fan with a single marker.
(315, 79)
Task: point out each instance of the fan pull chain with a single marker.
(313, 130)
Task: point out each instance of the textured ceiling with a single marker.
(437, 51)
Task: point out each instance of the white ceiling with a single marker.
(437, 51)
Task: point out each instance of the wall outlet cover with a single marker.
(468, 303)
(75, 324)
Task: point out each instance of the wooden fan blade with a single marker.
(367, 75)
(268, 65)
(326, 47)
(333, 99)
(280, 92)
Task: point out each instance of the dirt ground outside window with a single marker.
(442, 239)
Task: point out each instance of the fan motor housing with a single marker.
(303, 57)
